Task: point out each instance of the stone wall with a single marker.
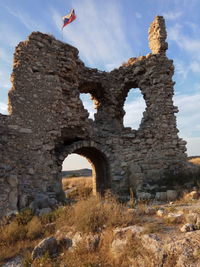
(47, 121)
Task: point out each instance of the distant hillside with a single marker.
(194, 160)
(77, 173)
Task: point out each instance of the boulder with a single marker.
(161, 196)
(192, 195)
(172, 195)
(192, 217)
(44, 211)
(150, 211)
(41, 201)
(48, 245)
(122, 236)
(161, 213)
(188, 227)
(175, 217)
(15, 262)
(144, 196)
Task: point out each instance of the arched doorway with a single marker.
(98, 160)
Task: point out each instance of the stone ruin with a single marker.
(47, 121)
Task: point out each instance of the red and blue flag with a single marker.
(69, 18)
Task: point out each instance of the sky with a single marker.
(107, 33)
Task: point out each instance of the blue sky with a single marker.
(107, 33)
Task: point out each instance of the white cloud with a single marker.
(188, 118)
(195, 66)
(11, 36)
(191, 45)
(5, 78)
(172, 15)
(181, 69)
(3, 108)
(5, 56)
(25, 19)
(138, 15)
(100, 38)
(134, 112)
(75, 162)
(88, 104)
(193, 146)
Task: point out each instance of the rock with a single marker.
(12, 180)
(133, 229)
(118, 245)
(77, 238)
(187, 227)
(41, 201)
(175, 217)
(92, 242)
(191, 196)
(65, 242)
(23, 201)
(44, 211)
(150, 211)
(48, 244)
(192, 217)
(144, 196)
(13, 198)
(122, 236)
(161, 212)
(172, 195)
(161, 196)
(15, 262)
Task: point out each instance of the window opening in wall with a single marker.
(134, 107)
(77, 179)
(88, 104)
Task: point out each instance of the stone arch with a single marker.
(99, 160)
(134, 107)
(129, 86)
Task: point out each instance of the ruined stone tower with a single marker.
(47, 121)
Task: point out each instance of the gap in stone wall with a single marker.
(77, 176)
(88, 104)
(75, 162)
(134, 107)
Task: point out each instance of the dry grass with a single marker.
(96, 213)
(78, 187)
(195, 160)
(77, 182)
(93, 214)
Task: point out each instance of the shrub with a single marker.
(89, 215)
(65, 217)
(24, 216)
(34, 228)
(80, 193)
(95, 213)
(171, 179)
(13, 232)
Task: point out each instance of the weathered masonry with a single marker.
(47, 120)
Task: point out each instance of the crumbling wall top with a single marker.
(157, 36)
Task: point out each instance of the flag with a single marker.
(69, 18)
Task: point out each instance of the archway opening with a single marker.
(134, 107)
(77, 177)
(94, 170)
(89, 104)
